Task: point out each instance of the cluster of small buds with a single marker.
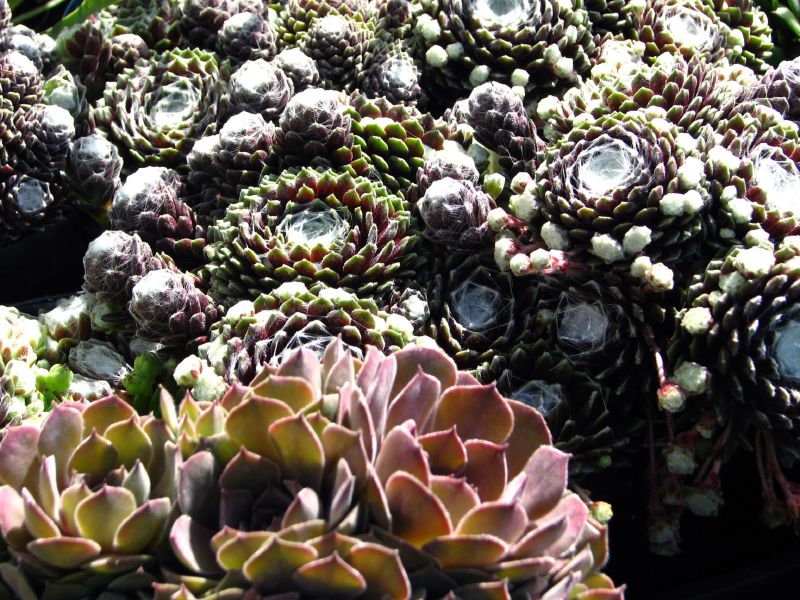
(195, 374)
(658, 277)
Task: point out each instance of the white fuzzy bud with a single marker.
(187, 371)
(428, 28)
(704, 503)
(547, 107)
(697, 320)
(672, 204)
(554, 236)
(455, 50)
(655, 112)
(758, 237)
(692, 202)
(551, 55)
(690, 173)
(741, 210)
(436, 56)
(681, 461)
(209, 386)
(479, 75)
(503, 251)
(607, 248)
(722, 156)
(541, 260)
(686, 142)
(563, 67)
(636, 239)
(520, 77)
(241, 310)
(660, 277)
(692, 377)
(525, 206)
(640, 267)
(401, 325)
(21, 376)
(731, 283)
(520, 265)
(754, 262)
(671, 398)
(496, 219)
(520, 182)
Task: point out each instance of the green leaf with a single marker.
(788, 19)
(80, 14)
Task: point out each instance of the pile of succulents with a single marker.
(388, 289)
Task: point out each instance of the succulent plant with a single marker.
(115, 262)
(455, 215)
(46, 132)
(86, 53)
(524, 44)
(733, 375)
(391, 73)
(93, 169)
(314, 128)
(311, 225)
(338, 45)
(622, 192)
(169, 309)
(87, 497)
(778, 88)
(126, 50)
(153, 21)
(299, 67)
(156, 111)
(746, 19)
(246, 36)
(269, 329)
(396, 139)
(378, 505)
(296, 17)
(27, 204)
(148, 203)
(260, 87)
(65, 90)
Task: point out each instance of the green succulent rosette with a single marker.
(157, 110)
(311, 225)
(397, 140)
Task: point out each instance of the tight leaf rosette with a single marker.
(625, 191)
(311, 225)
(158, 109)
(266, 331)
(342, 477)
(86, 498)
(533, 44)
(734, 376)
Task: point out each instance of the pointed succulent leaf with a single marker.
(95, 456)
(248, 423)
(299, 449)
(234, 553)
(276, 561)
(249, 471)
(141, 529)
(198, 492)
(64, 552)
(486, 468)
(295, 392)
(457, 496)
(417, 515)
(546, 481)
(70, 498)
(466, 551)
(577, 514)
(305, 507)
(101, 414)
(504, 520)
(414, 401)
(191, 543)
(459, 405)
(62, 432)
(137, 481)
(39, 524)
(401, 451)
(330, 577)
(538, 541)
(12, 517)
(529, 433)
(382, 570)
(19, 455)
(445, 451)
(99, 515)
(431, 361)
(303, 364)
(130, 441)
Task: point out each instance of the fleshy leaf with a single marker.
(414, 401)
(99, 515)
(486, 468)
(36, 520)
(64, 552)
(445, 450)
(295, 392)
(503, 520)
(12, 517)
(247, 424)
(249, 471)
(198, 492)
(417, 515)
(330, 577)
(139, 531)
(276, 562)
(70, 498)
(305, 365)
(577, 514)
(432, 361)
(191, 543)
(130, 441)
(19, 455)
(466, 551)
(101, 414)
(538, 542)
(95, 456)
(61, 433)
(402, 452)
(460, 406)
(305, 507)
(382, 570)
(529, 433)
(234, 553)
(546, 481)
(300, 450)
